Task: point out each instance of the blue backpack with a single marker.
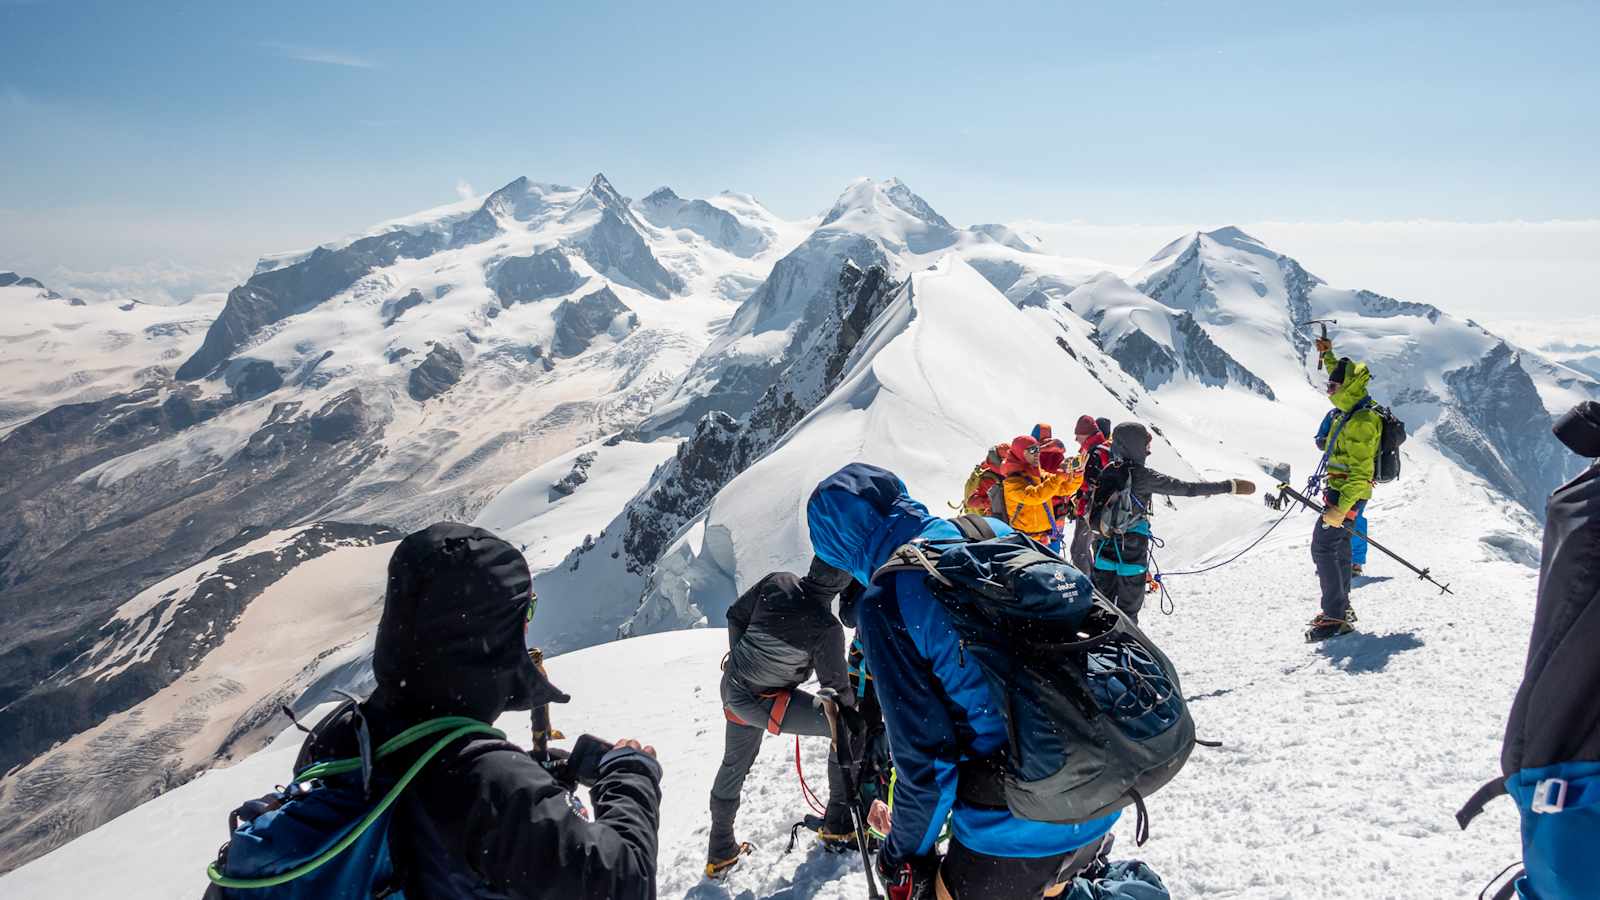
(1550, 762)
(1094, 713)
(326, 836)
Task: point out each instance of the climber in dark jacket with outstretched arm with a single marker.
(1122, 543)
(484, 818)
(779, 632)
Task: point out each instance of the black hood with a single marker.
(1131, 442)
(1579, 429)
(451, 638)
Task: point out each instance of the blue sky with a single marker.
(203, 134)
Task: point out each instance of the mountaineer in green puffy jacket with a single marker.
(1350, 454)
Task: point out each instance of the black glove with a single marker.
(852, 723)
(911, 880)
(584, 761)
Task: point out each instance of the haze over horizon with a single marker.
(1440, 153)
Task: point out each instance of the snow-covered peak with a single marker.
(601, 196)
(891, 211)
(661, 196)
(1003, 235)
(523, 200)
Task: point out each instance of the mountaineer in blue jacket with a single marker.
(940, 716)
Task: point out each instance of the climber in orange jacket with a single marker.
(1042, 475)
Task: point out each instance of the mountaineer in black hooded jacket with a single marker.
(485, 819)
(1122, 542)
(779, 631)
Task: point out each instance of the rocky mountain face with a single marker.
(722, 447)
(438, 372)
(526, 279)
(140, 748)
(80, 529)
(1499, 427)
(579, 322)
(1155, 364)
(665, 209)
(271, 296)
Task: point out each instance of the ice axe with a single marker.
(1323, 324)
(1285, 490)
(840, 749)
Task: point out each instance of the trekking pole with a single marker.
(856, 817)
(1287, 491)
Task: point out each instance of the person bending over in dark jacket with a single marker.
(484, 819)
(1122, 523)
(779, 631)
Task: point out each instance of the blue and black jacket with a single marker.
(937, 711)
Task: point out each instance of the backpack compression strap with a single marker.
(921, 556)
(1479, 800)
(457, 726)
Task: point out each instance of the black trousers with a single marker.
(741, 744)
(969, 875)
(1330, 551)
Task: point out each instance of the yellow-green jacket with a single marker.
(1355, 436)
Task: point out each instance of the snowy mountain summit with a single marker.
(640, 394)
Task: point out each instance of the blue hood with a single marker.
(859, 515)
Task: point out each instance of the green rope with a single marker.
(467, 726)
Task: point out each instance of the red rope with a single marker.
(805, 789)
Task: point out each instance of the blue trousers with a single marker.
(1358, 545)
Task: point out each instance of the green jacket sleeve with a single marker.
(1354, 455)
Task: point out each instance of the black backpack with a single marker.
(1550, 761)
(1094, 710)
(1386, 467)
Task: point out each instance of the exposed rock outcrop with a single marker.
(438, 372)
(525, 279)
(579, 322)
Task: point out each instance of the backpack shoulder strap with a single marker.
(974, 528)
(453, 726)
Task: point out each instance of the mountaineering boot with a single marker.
(724, 849)
(718, 867)
(837, 831)
(1350, 615)
(1355, 569)
(1324, 627)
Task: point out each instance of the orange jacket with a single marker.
(1029, 499)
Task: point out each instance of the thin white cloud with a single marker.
(464, 189)
(319, 55)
